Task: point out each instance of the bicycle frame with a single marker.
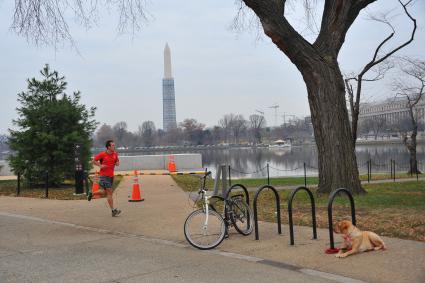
(210, 235)
(227, 202)
(205, 199)
(206, 204)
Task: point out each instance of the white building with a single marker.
(392, 110)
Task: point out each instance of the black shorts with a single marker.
(105, 182)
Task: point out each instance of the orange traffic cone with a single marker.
(171, 164)
(95, 187)
(135, 195)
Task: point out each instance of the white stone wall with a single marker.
(183, 162)
(160, 162)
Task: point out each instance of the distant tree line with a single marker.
(377, 127)
(231, 129)
(3, 143)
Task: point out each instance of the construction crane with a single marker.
(261, 112)
(275, 106)
(287, 115)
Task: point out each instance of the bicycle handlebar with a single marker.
(204, 179)
(205, 175)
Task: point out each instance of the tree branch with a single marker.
(337, 18)
(44, 21)
(374, 62)
(281, 32)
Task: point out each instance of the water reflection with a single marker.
(290, 162)
(251, 162)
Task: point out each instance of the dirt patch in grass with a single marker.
(54, 193)
(398, 223)
(66, 192)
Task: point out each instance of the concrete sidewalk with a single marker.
(166, 206)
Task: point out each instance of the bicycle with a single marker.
(207, 227)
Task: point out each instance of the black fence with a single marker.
(306, 170)
(40, 182)
(37, 182)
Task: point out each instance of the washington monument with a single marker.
(168, 96)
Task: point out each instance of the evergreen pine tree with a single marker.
(50, 123)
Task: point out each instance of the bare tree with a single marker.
(193, 130)
(226, 124)
(216, 134)
(120, 131)
(412, 88)
(376, 125)
(173, 136)
(44, 21)
(147, 133)
(297, 130)
(238, 125)
(103, 134)
(364, 127)
(377, 63)
(4, 143)
(257, 123)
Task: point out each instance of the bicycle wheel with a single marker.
(242, 217)
(203, 235)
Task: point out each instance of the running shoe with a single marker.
(115, 212)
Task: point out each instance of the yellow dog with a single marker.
(356, 241)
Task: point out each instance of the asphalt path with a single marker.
(37, 250)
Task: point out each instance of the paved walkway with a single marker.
(162, 214)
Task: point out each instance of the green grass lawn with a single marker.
(190, 183)
(389, 209)
(291, 181)
(64, 192)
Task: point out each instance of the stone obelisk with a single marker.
(168, 96)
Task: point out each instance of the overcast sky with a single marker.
(216, 70)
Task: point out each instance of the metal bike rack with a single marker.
(353, 211)
(259, 190)
(236, 186)
(313, 212)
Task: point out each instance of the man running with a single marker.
(107, 160)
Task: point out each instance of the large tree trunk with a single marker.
(336, 153)
(318, 64)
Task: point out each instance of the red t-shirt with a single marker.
(108, 159)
